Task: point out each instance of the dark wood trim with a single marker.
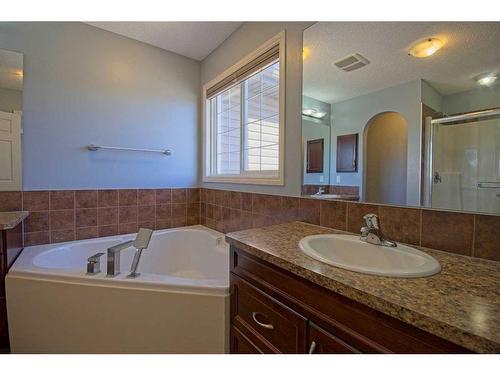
(4, 333)
(240, 344)
(326, 342)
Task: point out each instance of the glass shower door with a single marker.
(466, 165)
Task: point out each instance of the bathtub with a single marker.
(178, 304)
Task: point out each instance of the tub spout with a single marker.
(113, 262)
(140, 243)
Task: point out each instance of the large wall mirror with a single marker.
(11, 107)
(409, 113)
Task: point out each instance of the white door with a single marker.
(10, 151)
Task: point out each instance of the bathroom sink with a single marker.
(349, 252)
(326, 196)
(335, 196)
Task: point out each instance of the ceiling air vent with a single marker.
(351, 62)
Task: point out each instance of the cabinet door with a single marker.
(347, 153)
(315, 150)
(323, 342)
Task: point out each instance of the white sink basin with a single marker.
(349, 252)
(325, 196)
(335, 196)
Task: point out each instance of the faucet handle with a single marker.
(371, 221)
(94, 264)
(95, 258)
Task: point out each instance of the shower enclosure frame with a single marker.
(428, 141)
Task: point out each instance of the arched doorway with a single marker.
(386, 144)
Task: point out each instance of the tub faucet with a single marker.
(114, 258)
(372, 232)
(140, 243)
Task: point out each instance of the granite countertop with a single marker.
(460, 304)
(9, 220)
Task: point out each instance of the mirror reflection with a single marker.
(406, 113)
(11, 104)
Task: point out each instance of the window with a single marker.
(244, 120)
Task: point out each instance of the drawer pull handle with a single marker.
(264, 325)
(312, 348)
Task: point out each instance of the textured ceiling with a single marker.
(470, 49)
(192, 39)
(11, 65)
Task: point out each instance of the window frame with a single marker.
(209, 137)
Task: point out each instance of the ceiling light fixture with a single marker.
(306, 52)
(313, 113)
(318, 114)
(426, 48)
(487, 80)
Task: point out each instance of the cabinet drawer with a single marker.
(256, 313)
(323, 342)
(240, 344)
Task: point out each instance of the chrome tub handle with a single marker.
(94, 264)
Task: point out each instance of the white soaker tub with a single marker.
(178, 304)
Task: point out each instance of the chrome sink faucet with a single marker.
(140, 243)
(321, 191)
(372, 232)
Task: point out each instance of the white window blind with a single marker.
(228, 129)
(243, 136)
(261, 120)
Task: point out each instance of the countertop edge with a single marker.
(18, 218)
(438, 328)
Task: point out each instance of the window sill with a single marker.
(245, 180)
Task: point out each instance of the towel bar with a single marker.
(93, 147)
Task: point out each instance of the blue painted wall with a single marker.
(85, 85)
(352, 116)
(239, 44)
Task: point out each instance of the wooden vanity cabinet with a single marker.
(11, 245)
(275, 311)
